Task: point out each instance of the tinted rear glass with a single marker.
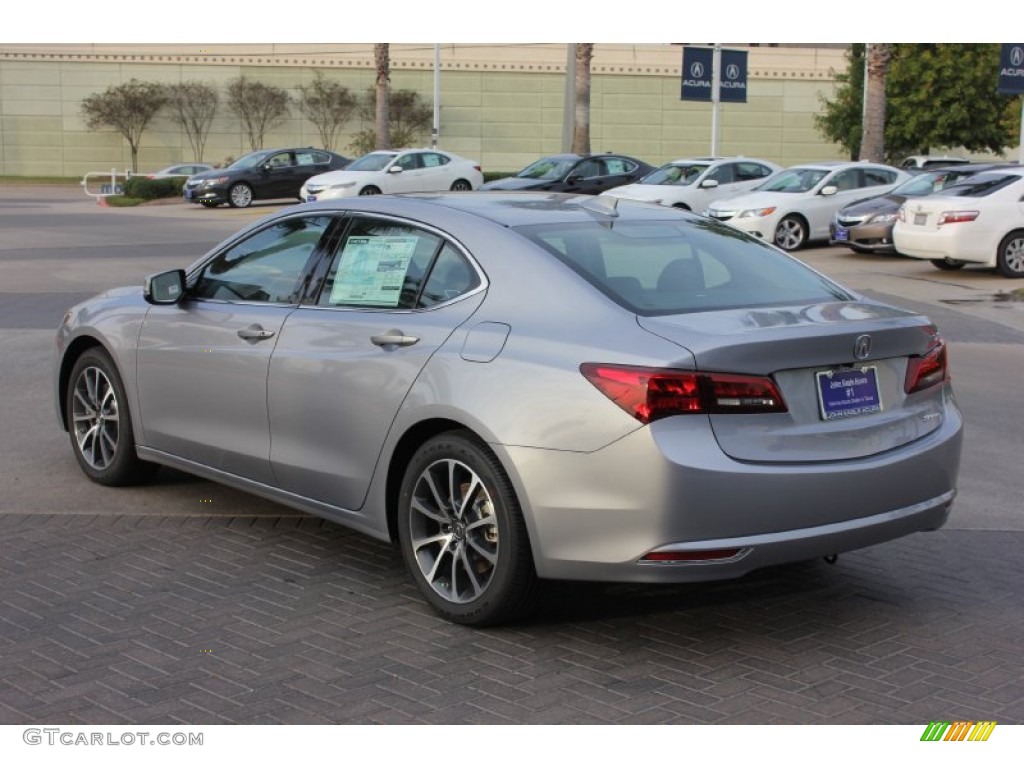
(983, 184)
(663, 268)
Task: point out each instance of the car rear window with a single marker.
(662, 268)
(981, 185)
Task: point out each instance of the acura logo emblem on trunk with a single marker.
(862, 347)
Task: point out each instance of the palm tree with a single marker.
(872, 146)
(382, 56)
(581, 120)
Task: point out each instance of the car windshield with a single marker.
(681, 175)
(249, 161)
(547, 168)
(668, 268)
(375, 161)
(927, 183)
(794, 180)
(983, 184)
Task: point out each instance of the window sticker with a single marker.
(372, 270)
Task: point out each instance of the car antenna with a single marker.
(606, 206)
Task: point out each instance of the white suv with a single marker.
(692, 183)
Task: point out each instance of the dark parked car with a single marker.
(866, 227)
(583, 174)
(263, 175)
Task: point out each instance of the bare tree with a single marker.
(382, 121)
(873, 145)
(259, 106)
(127, 108)
(328, 105)
(410, 117)
(193, 105)
(581, 120)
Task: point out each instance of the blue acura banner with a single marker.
(733, 76)
(1011, 68)
(696, 74)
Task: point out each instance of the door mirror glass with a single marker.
(829, 190)
(165, 287)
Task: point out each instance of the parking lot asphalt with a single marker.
(187, 602)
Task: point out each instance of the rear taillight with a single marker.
(927, 370)
(955, 217)
(649, 394)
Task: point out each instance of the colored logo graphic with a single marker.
(961, 730)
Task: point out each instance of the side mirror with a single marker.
(576, 178)
(831, 189)
(165, 287)
(395, 169)
(709, 184)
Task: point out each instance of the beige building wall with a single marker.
(500, 104)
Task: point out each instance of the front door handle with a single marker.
(394, 338)
(254, 332)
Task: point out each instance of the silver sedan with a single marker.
(524, 386)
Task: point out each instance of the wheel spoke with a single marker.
(467, 500)
(420, 507)
(468, 568)
(486, 554)
(426, 541)
(435, 493)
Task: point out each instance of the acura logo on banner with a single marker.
(1011, 73)
(734, 79)
(696, 74)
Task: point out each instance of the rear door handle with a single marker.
(394, 338)
(254, 332)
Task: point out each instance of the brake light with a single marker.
(901, 214)
(955, 217)
(649, 394)
(924, 371)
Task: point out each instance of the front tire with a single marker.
(371, 190)
(947, 264)
(1010, 259)
(462, 534)
(791, 233)
(240, 195)
(100, 424)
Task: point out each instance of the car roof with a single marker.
(509, 209)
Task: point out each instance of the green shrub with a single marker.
(152, 189)
(120, 201)
(495, 175)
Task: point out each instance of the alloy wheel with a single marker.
(95, 418)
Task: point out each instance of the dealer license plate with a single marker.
(848, 392)
(841, 235)
(920, 219)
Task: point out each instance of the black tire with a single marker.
(209, 204)
(682, 207)
(461, 185)
(240, 195)
(473, 564)
(791, 233)
(370, 190)
(1010, 259)
(947, 264)
(100, 423)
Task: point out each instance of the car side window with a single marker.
(616, 166)
(847, 180)
(280, 160)
(379, 265)
(876, 177)
(723, 174)
(307, 158)
(433, 160)
(588, 169)
(751, 171)
(408, 162)
(266, 266)
(451, 277)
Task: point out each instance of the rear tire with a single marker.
(100, 424)
(461, 185)
(371, 190)
(1010, 259)
(462, 533)
(948, 264)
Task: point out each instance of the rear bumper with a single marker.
(669, 487)
(953, 241)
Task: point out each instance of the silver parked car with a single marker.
(523, 386)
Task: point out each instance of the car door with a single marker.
(393, 293)
(439, 173)
(820, 209)
(202, 363)
(279, 176)
(410, 178)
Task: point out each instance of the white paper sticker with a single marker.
(373, 270)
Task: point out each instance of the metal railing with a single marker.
(114, 184)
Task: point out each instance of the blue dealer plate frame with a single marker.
(847, 392)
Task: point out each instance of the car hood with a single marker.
(642, 192)
(882, 204)
(338, 177)
(757, 200)
(514, 182)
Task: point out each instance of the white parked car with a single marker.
(392, 171)
(796, 205)
(692, 183)
(979, 220)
